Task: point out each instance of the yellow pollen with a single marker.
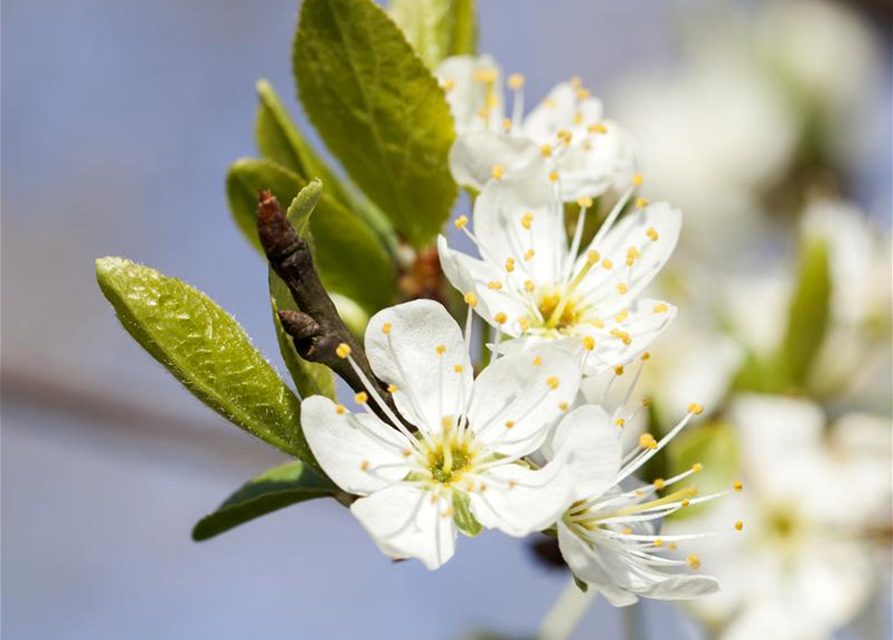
(646, 356)
(461, 222)
(343, 350)
(509, 264)
(597, 323)
(529, 285)
(339, 409)
(553, 382)
(565, 136)
(524, 323)
(659, 484)
(513, 484)
(592, 257)
(546, 150)
(386, 328)
(632, 254)
(618, 370)
(553, 177)
(685, 503)
(646, 402)
(392, 388)
(500, 318)
(440, 349)
(576, 82)
(506, 124)
(582, 94)
(607, 263)
(627, 531)
(537, 361)
(471, 300)
(672, 546)
(361, 397)
(696, 408)
(597, 128)
(529, 255)
(620, 422)
(516, 81)
(562, 406)
(622, 288)
(638, 179)
(623, 336)
(527, 220)
(697, 467)
(364, 465)
(651, 232)
(737, 486)
(484, 75)
(647, 441)
(693, 561)
(458, 368)
(449, 84)
(446, 422)
(406, 452)
(482, 488)
(509, 424)
(641, 203)
(660, 308)
(578, 119)
(494, 285)
(496, 171)
(588, 343)
(739, 525)
(658, 542)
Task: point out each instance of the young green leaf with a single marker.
(310, 378)
(462, 515)
(379, 110)
(280, 140)
(274, 489)
(205, 349)
(436, 29)
(301, 208)
(715, 447)
(348, 256)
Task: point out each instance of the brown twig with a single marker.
(316, 329)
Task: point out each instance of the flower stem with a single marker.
(566, 614)
(632, 622)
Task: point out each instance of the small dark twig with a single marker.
(316, 329)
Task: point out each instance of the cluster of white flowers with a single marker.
(518, 447)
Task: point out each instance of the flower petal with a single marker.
(589, 445)
(519, 501)
(559, 111)
(359, 452)
(517, 401)
(474, 157)
(407, 522)
(601, 162)
(419, 354)
(467, 95)
(586, 565)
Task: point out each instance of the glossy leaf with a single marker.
(379, 110)
(205, 349)
(348, 256)
(437, 29)
(275, 489)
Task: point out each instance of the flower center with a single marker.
(450, 455)
(557, 312)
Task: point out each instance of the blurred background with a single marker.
(119, 120)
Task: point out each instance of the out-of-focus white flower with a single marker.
(460, 468)
(533, 287)
(567, 129)
(813, 503)
(610, 537)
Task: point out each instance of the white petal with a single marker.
(498, 214)
(589, 445)
(469, 274)
(428, 387)
(585, 563)
(514, 390)
(359, 452)
(558, 111)
(597, 164)
(405, 522)
(468, 96)
(473, 157)
(519, 501)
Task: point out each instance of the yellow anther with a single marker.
(553, 177)
(686, 502)
(608, 263)
(509, 264)
(584, 202)
(693, 561)
(597, 323)
(632, 254)
(343, 350)
(447, 513)
(697, 467)
(588, 343)
(672, 546)
(647, 441)
(660, 308)
(659, 484)
(651, 232)
(576, 82)
(440, 349)
(597, 128)
(638, 179)
(739, 525)
(620, 422)
(582, 93)
(392, 388)
(494, 285)
(386, 328)
(537, 361)
(364, 465)
(482, 487)
(513, 484)
(738, 486)
(562, 406)
(458, 368)
(618, 370)
(658, 542)
(516, 81)
(524, 323)
(471, 300)
(461, 222)
(565, 136)
(492, 101)
(623, 336)
(592, 257)
(528, 255)
(497, 171)
(695, 408)
(500, 318)
(406, 453)
(483, 113)
(646, 402)
(549, 102)
(527, 220)
(509, 424)
(339, 409)
(484, 75)
(641, 203)
(446, 422)
(627, 531)
(646, 356)
(506, 124)
(529, 285)
(449, 84)
(622, 288)
(362, 397)
(553, 382)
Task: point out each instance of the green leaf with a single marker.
(349, 258)
(301, 208)
(310, 378)
(205, 349)
(809, 311)
(715, 446)
(379, 110)
(581, 584)
(275, 489)
(280, 140)
(462, 515)
(437, 29)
